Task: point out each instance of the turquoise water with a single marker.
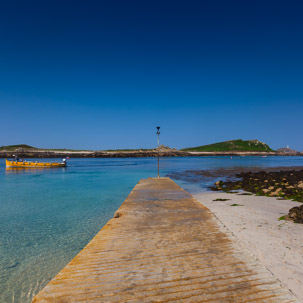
(48, 216)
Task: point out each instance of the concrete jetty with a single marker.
(163, 246)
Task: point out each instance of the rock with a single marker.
(300, 184)
(284, 183)
(276, 192)
(296, 214)
(117, 214)
(165, 148)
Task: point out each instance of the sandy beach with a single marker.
(254, 220)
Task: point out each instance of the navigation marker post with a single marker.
(158, 133)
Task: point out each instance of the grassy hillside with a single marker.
(233, 145)
(18, 147)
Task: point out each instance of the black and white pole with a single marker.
(158, 133)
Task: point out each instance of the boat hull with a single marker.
(29, 164)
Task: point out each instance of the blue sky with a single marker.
(104, 74)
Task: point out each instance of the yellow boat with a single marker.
(33, 164)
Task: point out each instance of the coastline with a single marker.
(77, 201)
(134, 154)
(254, 220)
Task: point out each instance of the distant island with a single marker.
(233, 146)
(227, 148)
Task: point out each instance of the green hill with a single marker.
(233, 145)
(19, 147)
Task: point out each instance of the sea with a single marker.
(48, 215)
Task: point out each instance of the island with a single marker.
(227, 148)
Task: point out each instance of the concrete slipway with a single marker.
(163, 246)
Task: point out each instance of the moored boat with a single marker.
(33, 164)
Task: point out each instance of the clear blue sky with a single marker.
(104, 74)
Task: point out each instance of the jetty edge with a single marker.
(163, 245)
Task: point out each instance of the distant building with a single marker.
(287, 150)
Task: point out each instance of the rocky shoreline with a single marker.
(287, 185)
(133, 154)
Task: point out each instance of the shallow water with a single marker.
(48, 215)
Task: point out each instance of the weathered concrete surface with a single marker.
(163, 246)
